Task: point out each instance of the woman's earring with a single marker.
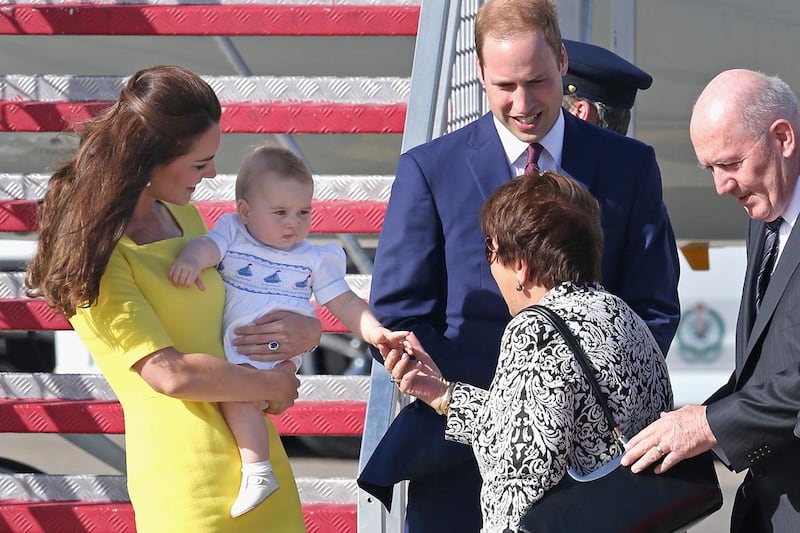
(518, 288)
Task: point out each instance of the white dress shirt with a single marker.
(789, 219)
(517, 151)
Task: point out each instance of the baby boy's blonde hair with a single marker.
(266, 159)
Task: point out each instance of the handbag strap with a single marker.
(583, 361)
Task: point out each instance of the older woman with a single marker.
(539, 418)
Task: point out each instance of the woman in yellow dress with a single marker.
(112, 221)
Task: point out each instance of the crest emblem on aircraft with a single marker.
(700, 334)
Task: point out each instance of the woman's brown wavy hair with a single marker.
(91, 197)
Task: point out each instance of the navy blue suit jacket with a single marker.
(431, 275)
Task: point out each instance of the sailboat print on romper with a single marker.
(273, 278)
(304, 283)
(245, 271)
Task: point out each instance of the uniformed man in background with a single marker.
(600, 86)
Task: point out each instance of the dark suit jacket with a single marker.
(754, 416)
(431, 274)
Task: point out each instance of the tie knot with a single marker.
(775, 224)
(532, 163)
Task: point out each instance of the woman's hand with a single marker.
(415, 372)
(288, 333)
(204, 378)
(284, 393)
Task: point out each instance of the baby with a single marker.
(267, 264)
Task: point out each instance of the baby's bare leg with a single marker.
(249, 429)
(251, 432)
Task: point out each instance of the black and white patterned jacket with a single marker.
(539, 418)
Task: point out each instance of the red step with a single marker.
(35, 415)
(328, 216)
(47, 517)
(34, 314)
(238, 117)
(243, 19)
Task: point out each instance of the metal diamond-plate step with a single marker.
(53, 386)
(42, 487)
(95, 387)
(327, 89)
(326, 187)
(12, 284)
(112, 488)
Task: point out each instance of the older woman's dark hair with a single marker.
(91, 197)
(549, 221)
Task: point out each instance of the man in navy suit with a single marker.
(744, 129)
(431, 275)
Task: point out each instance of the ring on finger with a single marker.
(273, 346)
(659, 449)
(393, 380)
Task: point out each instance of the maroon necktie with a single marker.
(532, 164)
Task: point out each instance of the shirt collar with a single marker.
(792, 209)
(552, 142)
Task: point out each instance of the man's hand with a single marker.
(676, 436)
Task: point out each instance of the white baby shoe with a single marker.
(254, 489)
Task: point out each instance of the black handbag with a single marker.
(622, 501)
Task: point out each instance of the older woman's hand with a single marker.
(278, 336)
(415, 372)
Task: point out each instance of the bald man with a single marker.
(744, 131)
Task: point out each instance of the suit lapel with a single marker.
(578, 158)
(486, 157)
(747, 313)
(490, 168)
(786, 267)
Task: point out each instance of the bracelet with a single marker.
(310, 350)
(444, 403)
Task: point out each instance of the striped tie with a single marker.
(768, 255)
(532, 164)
